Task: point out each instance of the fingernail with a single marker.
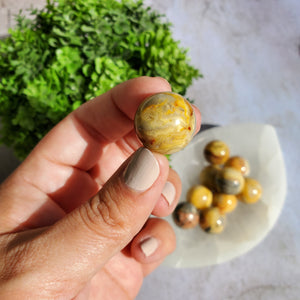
(142, 170)
(149, 246)
(169, 192)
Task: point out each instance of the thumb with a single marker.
(89, 236)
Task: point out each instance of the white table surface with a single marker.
(249, 54)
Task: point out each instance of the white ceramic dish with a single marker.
(248, 224)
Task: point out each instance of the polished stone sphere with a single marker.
(226, 203)
(165, 122)
(212, 221)
(186, 215)
(239, 163)
(208, 176)
(251, 192)
(200, 196)
(216, 152)
(229, 181)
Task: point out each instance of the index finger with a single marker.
(105, 119)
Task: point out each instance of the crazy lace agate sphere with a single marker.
(229, 181)
(239, 163)
(200, 196)
(251, 192)
(208, 176)
(216, 152)
(225, 202)
(212, 221)
(186, 215)
(165, 122)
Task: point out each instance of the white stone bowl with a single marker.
(248, 224)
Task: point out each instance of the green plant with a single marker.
(72, 51)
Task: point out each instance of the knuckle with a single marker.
(104, 216)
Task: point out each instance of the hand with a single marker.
(74, 217)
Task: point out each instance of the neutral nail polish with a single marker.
(169, 192)
(142, 171)
(149, 246)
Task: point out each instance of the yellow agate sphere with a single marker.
(212, 221)
(165, 122)
(200, 196)
(216, 152)
(239, 163)
(229, 181)
(208, 176)
(226, 203)
(251, 192)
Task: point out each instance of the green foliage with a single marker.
(72, 51)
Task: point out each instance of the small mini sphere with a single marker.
(251, 192)
(239, 163)
(208, 176)
(226, 203)
(200, 196)
(212, 221)
(186, 215)
(229, 181)
(216, 152)
(165, 122)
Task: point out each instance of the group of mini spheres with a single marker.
(223, 183)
